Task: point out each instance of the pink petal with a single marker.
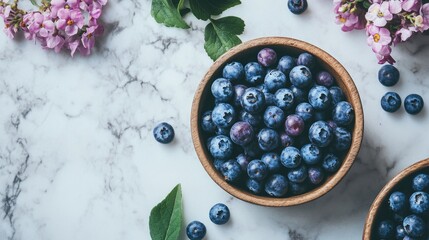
(44, 33)
(52, 42)
(380, 22)
(59, 3)
(49, 25)
(395, 6)
(63, 13)
(61, 23)
(71, 30)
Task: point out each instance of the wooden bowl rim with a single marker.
(375, 206)
(354, 99)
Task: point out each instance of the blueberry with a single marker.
(267, 57)
(222, 131)
(331, 163)
(297, 6)
(218, 163)
(297, 188)
(238, 93)
(274, 117)
(257, 170)
(221, 147)
(311, 154)
(243, 160)
(419, 203)
(207, 123)
(414, 226)
(298, 175)
(294, 125)
(421, 182)
(233, 71)
(397, 202)
(391, 102)
(320, 134)
(263, 88)
(274, 80)
(196, 230)
(290, 157)
(252, 149)
(254, 73)
(319, 98)
(163, 133)
(400, 232)
(343, 114)
(241, 133)
(222, 90)
(286, 140)
(316, 175)
(300, 76)
(219, 214)
(300, 95)
(254, 119)
(325, 79)
(276, 185)
(306, 59)
(385, 229)
(268, 139)
(342, 139)
(223, 115)
(231, 171)
(272, 160)
(286, 64)
(413, 104)
(253, 100)
(270, 99)
(337, 95)
(284, 98)
(254, 186)
(388, 75)
(305, 111)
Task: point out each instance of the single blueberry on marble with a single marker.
(196, 230)
(163, 133)
(388, 75)
(413, 104)
(297, 6)
(391, 102)
(219, 214)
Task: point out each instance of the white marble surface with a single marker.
(77, 156)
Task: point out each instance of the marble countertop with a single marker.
(77, 156)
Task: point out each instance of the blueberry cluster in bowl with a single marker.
(404, 214)
(277, 127)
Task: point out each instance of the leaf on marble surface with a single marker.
(203, 9)
(165, 219)
(221, 35)
(165, 12)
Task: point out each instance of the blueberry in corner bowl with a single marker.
(301, 77)
(276, 185)
(196, 230)
(306, 59)
(413, 104)
(421, 182)
(391, 102)
(268, 139)
(274, 80)
(231, 171)
(386, 229)
(388, 75)
(254, 73)
(163, 133)
(223, 115)
(219, 214)
(319, 97)
(267, 57)
(297, 6)
(257, 170)
(320, 134)
(253, 100)
(325, 79)
(233, 71)
(222, 90)
(286, 63)
(343, 114)
(241, 133)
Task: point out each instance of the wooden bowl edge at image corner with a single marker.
(338, 71)
(375, 206)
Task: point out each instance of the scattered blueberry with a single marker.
(301, 77)
(222, 90)
(196, 230)
(233, 71)
(324, 78)
(276, 185)
(257, 170)
(267, 57)
(297, 6)
(254, 73)
(413, 104)
(241, 133)
(391, 102)
(163, 133)
(388, 75)
(219, 214)
(286, 64)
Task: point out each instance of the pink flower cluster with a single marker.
(60, 24)
(387, 23)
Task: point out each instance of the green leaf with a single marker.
(203, 9)
(221, 35)
(164, 11)
(34, 2)
(165, 219)
(366, 4)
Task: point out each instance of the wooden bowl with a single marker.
(376, 209)
(243, 53)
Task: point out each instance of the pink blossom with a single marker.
(378, 38)
(395, 6)
(56, 5)
(402, 35)
(350, 21)
(385, 55)
(425, 14)
(379, 14)
(70, 21)
(411, 5)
